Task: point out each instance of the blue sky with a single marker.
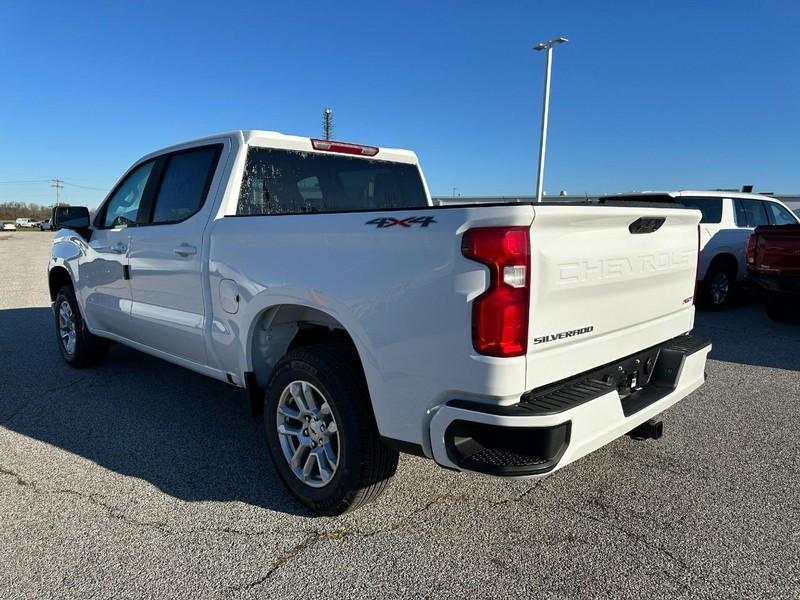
(646, 95)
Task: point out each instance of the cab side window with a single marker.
(778, 215)
(123, 207)
(750, 213)
(184, 185)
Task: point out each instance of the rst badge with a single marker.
(383, 222)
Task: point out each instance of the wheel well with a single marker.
(57, 278)
(281, 329)
(724, 261)
(308, 334)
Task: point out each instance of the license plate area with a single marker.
(633, 373)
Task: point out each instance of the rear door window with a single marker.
(778, 215)
(750, 213)
(184, 184)
(288, 182)
(710, 207)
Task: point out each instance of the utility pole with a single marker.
(545, 109)
(58, 184)
(327, 123)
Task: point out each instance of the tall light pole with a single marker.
(545, 109)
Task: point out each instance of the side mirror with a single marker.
(70, 217)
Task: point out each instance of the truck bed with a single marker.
(405, 293)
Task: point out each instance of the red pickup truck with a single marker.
(773, 262)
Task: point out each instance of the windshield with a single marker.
(288, 182)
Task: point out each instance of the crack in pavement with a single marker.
(315, 537)
(520, 497)
(95, 499)
(161, 526)
(614, 523)
(10, 473)
(446, 499)
(116, 513)
(312, 539)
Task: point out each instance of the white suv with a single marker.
(728, 220)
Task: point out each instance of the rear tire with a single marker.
(716, 289)
(780, 308)
(79, 347)
(318, 397)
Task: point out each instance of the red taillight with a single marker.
(500, 314)
(343, 147)
(752, 242)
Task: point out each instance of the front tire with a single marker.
(321, 432)
(79, 347)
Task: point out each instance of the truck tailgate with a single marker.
(607, 281)
(778, 250)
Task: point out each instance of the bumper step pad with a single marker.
(653, 373)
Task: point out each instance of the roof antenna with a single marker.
(327, 123)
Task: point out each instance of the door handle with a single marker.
(118, 248)
(185, 250)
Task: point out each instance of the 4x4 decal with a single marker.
(408, 222)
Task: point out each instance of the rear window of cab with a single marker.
(289, 182)
(711, 208)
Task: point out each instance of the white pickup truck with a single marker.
(507, 339)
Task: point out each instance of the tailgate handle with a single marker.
(646, 224)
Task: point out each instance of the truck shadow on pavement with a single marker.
(190, 436)
(194, 438)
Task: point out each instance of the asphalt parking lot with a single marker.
(141, 479)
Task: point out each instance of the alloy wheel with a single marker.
(308, 433)
(720, 287)
(66, 327)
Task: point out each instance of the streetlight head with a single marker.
(550, 44)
